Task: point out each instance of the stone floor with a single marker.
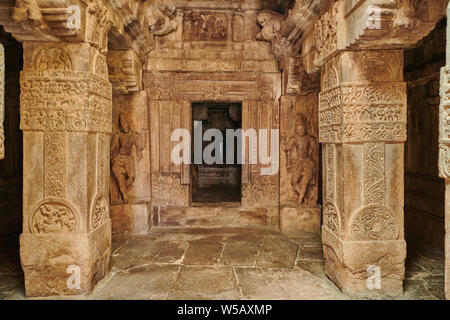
(228, 263)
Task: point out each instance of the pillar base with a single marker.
(131, 218)
(46, 258)
(297, 220)
(347, 263)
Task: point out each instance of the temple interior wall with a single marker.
(212, 57)
(424, 190)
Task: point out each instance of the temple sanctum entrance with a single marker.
(317, 160)
(217, 177)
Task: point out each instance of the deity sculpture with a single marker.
(122, 159)
(302, 153)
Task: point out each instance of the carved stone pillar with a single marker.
(66, 121)
(444, 153)
(362, 126)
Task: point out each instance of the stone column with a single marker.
(362, 126)
(66, 121)
(444, 152)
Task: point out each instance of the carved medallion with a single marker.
(374, 223)
(54, 215)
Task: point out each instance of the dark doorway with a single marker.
(219, 181)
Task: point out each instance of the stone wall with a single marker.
(424, 190)
(213, 56)
(11, 165)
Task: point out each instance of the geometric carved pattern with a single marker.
(54, 215)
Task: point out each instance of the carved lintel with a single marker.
(125, 71)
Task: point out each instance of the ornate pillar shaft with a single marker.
(66, 121)
(362, 126)
(444, 152)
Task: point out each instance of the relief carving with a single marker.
(122, 158)
(205, 27)
(302, 158)
(52, 58)
(162, 18)
(54, 215)
(262, 191)
(270, 23)
(374, 222)
(99, 212)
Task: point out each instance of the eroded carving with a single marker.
(205, 27)
(122, 159)
(270, 23)
(162, 18)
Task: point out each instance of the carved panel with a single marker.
(326, 32)
(261, 192)
(374, 174)
(363, 113)
(99, 211)
(374, 223)
(72, 101)
(200, 26)
(54, 215)
(55, 164)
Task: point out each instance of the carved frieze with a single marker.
(162, 18)
(363, 113)
(201, 26)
